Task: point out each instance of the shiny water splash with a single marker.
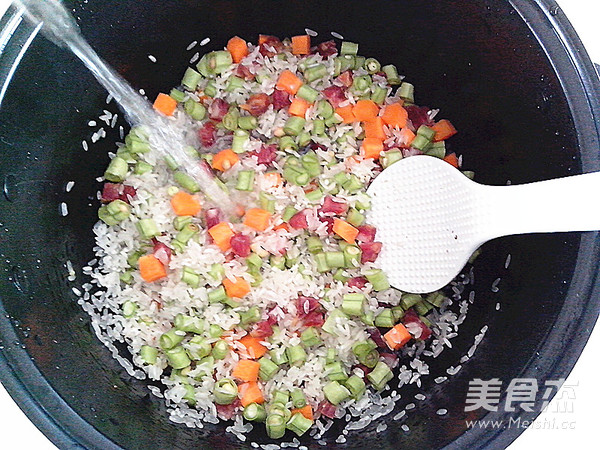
(166, 139)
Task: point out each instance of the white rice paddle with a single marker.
(431, 218)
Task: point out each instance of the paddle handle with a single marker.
(562, 204)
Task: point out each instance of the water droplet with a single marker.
(554, 10)
(19, 279)
(10, 187)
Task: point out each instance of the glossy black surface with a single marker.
(478, 61)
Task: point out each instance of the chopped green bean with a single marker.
(190, 324)
(296, 355)
(391, 74)
(318, 127)
(378, 279)
(116, 170)
(149, 354)
(380, 375)
(142, 167)
(349, 48)
(353, 304)
(385, 319)
(298, 398)
(247, 122)
(190, 277)
(177, 95)
(288, 213)
(275, 425)
(409, 300)
(278, 356)
(267, 369)
(252, 315)
(310, 337)
(255, 412)
(186, 181)
(177, 357)
(225, 391)
(198, 348)
(119, 210)
(234, 83)
(220, 349)
(191, 78)
(245, 181)
(335, 259)
(390, 157)
(315, 73)
(372, 65)
(307, 93)
(240, 137)
(335, 393)
(195, 110)
(147, 228)
(299, 424)
(335, 371)
(294, 126)
(217, 295)
(406, 91)
(314, 244)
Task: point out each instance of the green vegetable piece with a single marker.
(267, 369)
(296, 355)
(335, 393)
(380, 375)
(116, 170)
(149, 354)
(310, 337)
(189, 324)
(220, 349)
(177, 357)
(255, 412)
(147, 228)
(225, 391)
(299, 424)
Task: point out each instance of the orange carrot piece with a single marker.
(301, 44)
(407, 136)
(395, 115)
(254, 349)
(151, 269)
(238, 48)
(257, 218)
(165, 104)
(246, 370)
(185, 204)
(374, 129)
(443, 130)
(272, 180)
(298, 107)
(371, 147)
(397, 337)
(237, 289)
(452, 159)
(344, 230)
(288, 82)
(365, 110)
(250, 393)
(221, 234)
(306, 411)
(345, 112)
(281, 226)
(262, 38)
(225, 160)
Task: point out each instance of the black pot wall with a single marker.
(521, 118)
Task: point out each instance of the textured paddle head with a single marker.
(425, 212)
